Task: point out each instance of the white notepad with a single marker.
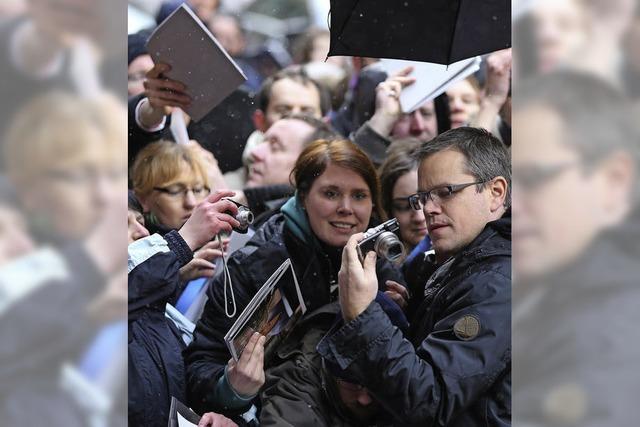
(431, 79)
(197, 59)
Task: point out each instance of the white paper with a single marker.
(182, 422)
(431, 79)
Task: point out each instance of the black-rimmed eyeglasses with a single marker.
(438, 194)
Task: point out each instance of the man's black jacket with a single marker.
(455, 367)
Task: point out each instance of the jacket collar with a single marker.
(494, 239)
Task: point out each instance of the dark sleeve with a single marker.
(371, 143)
(156, 281)
(207, 355)
(138, 137)
(258, 197)
(293, 394)
(444, 375)
(49, 325)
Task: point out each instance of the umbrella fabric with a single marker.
(438, 31)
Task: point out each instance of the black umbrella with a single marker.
(438, 31)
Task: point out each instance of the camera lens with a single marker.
(245, 218)
(388, 246)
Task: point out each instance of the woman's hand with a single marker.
(197, 268)
(247, 375)
(209, 218)
(203, 262)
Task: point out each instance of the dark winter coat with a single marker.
(285, 235)
(156, 367)
(456, 368)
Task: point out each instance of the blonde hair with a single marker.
(162, 162)
(62, 130)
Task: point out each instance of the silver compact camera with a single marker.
(244, 217)
(383, 241)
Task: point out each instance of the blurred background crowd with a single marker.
(74, 142)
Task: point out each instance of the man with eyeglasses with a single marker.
(576, 269)
(454, 366)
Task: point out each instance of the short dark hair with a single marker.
(486, 157)
(595, 115)
(297, 74)
(400, 160)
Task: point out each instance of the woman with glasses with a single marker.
(337, 193)
(399, 179)
(169, 180)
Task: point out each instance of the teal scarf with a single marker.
(296, 220)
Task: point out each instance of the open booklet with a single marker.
(431, 79)
(269, 312)
(197, 59)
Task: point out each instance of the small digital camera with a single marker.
(383, 241)
(244, 217)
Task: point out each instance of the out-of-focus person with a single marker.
(140, 62)
(399, 180)
(204, 9)
(464, 101)
(575, 211)
(15, 239)
(559, 30)
(67, 45)
(228, 31)
(494, 113)
(64, 156)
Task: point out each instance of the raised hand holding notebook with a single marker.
(431, 79)
(196, 58)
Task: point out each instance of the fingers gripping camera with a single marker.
(244, 217)
(383, 241)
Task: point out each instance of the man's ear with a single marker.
(260, 120)
(498, 191)
(615, 178)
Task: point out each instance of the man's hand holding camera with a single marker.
(358, 281)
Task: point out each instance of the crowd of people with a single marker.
(422, 339)
(319, 150)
